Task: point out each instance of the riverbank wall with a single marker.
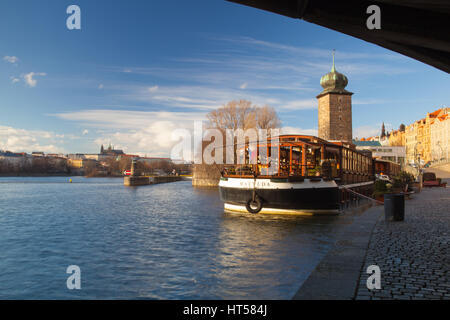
(25, 175)
(336, 276)
(132, 181)
(204, 175)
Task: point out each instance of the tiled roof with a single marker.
(367, 143)
(435, 113)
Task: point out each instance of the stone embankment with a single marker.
(206, 175)
(131, 181)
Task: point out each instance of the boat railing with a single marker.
(268, 171)
(302, 157)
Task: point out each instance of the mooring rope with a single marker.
(363, 196)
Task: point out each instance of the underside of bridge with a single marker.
(416, 28)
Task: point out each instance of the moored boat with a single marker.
(296, 174)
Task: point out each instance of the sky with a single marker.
(137, 70)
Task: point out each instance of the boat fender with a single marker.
(254, 206)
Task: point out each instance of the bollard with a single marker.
(394, 207)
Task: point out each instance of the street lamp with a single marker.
(417, 156)
(415, 150)
(442, 151)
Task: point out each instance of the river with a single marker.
(167, 241)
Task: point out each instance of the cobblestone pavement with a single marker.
(413, 255)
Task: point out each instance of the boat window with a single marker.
(332, 160)
(296, 165)
(313, 156)
(284, 160)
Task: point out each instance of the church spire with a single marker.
(333, 81)
(333, 68)
(383, 131)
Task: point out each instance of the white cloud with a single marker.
(366, 131)
(14, 80)
(153, 89)
(297, 130)
(136, 132)
(30, 81)
(124, 119)
(205, 98)
(22, 140)
(85, 132)
(244, 86)
(300, 104)
(153, 140)
(310, 51)
(11, 59)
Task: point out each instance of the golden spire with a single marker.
(333, 68)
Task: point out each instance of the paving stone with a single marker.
(413, 254)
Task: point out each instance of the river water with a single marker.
(167, 241)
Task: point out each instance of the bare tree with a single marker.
(234, 115)
(267, 118)
(244, 115)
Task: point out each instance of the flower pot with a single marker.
(380, 198)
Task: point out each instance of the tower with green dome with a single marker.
(335, 107)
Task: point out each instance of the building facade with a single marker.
(413, 147)
(440, 136)
(14, 161)
(425, 137)
(397, 138)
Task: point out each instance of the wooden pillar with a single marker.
(290, 159)
(304, 160)
(279, 158)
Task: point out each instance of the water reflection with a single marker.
(167, 241)
(273, 250)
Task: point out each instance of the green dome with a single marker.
(333, 81)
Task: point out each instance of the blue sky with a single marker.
(140, 69)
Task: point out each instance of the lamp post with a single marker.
(417, 157)
(442, 151)
(415, 151)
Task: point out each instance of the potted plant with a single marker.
(380, 188)
(403, 182)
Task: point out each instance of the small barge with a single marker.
(296, 174)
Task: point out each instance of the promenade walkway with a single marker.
(413, 255)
